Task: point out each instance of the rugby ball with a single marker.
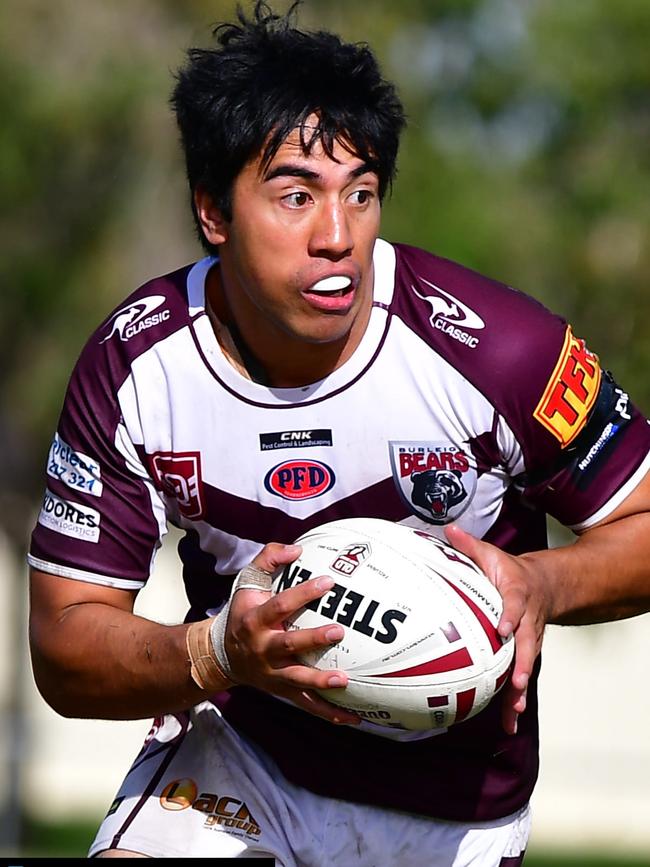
(421, 646)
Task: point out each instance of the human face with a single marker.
(298, 220)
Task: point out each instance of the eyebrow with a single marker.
(293, 170)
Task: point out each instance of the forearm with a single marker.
(102, 662)
(604, 575)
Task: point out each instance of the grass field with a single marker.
(72, 839)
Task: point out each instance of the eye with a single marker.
(296, 200)
(361, 197)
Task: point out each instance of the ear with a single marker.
(213, 223)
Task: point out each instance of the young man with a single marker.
(306, 371)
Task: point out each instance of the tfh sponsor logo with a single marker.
(178, 474)
(570, 392)
(136, 317)
(69, 519)
(451, 316)
(436, 480)
(299, 480)
(74, 469)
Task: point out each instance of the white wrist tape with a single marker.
(218, 639)
(206, 641)
(252, 578)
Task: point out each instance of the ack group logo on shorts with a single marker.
(451, 316)
(436, 480)
(220, 810)
(299, 480)
(179, 476)
(570, 392)
(136, 317)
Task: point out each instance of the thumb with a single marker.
(274, 555)
(481, 553)
(463, 541)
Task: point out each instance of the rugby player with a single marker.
(306, 370)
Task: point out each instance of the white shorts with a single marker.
(198, 789)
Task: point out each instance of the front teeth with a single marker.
(332, 284)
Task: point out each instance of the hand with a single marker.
(263, 654)
(525, 612)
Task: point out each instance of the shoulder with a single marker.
(148, 316)
(521, 356)
(141, 323)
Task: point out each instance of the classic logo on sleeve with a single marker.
(69, 519)
(571, 391)
(136, 317)
(179, 476)
(74, 469)
(436, 480)
(451, 316)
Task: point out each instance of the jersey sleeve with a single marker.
(603, 439)
(101, 519)
(580, 445)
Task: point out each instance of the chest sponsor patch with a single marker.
(178, 474)
(74, 469)
(570, 392)
(289, 439)
(436, 480)
(299, 480)
(69, 519)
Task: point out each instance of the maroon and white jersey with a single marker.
(466, 401)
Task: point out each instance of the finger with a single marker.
(281, 606)
(314, 704)
(514, 600)
(464, 542)
(274, 555)
(296, 641)
(513, 704)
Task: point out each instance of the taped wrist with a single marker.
(209, 665)
(206, 640)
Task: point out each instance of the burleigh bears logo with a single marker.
(436, 480)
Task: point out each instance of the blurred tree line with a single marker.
(526, 158)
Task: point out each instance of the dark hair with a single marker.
(265, 78)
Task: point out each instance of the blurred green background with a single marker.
(527, 157)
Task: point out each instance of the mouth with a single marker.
(333, 294)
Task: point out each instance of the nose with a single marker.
(331, 236)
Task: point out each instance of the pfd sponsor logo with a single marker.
(347, 607)
(137, 317)
(436, 480)
(299, 480)
(570, 392)
(74, 469)
(290, 439)
(451, 316)
(349, 559)
(69, 519)
(178, 474)
(221, 810)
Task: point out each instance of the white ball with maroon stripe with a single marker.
(421, 646)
